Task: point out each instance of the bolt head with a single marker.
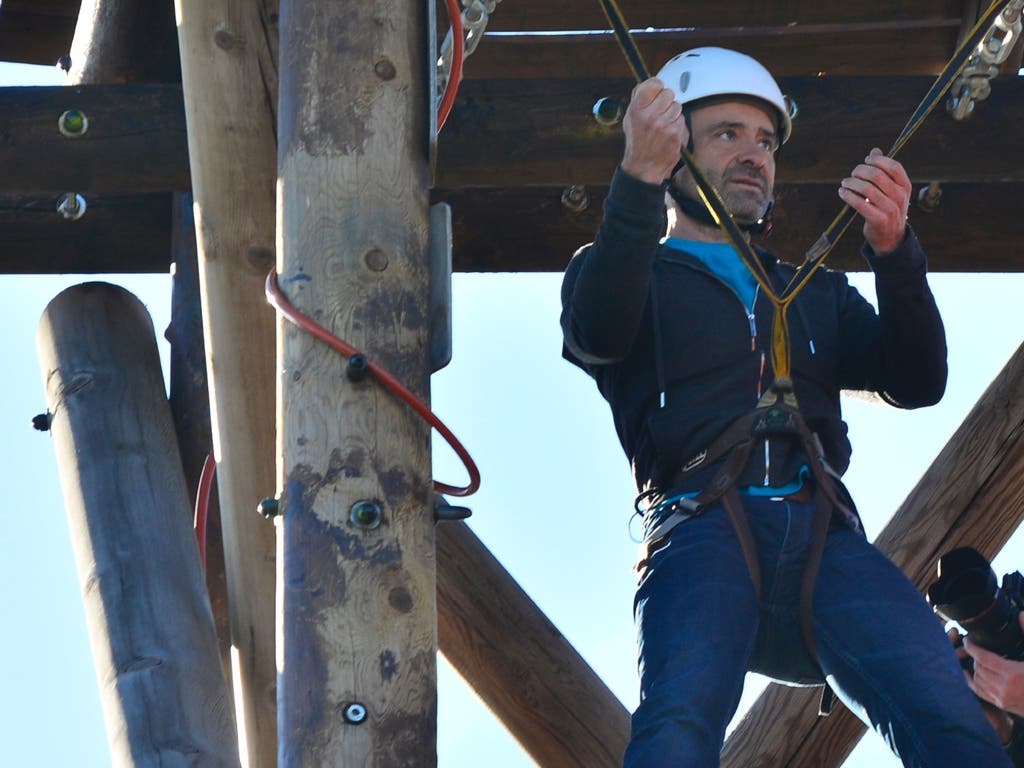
(365, 514)
(41, 422)
(354, 713)
(73, 123)
(269, 508)
(608, 111)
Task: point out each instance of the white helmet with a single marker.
(703, 72)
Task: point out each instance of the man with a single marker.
(677, 335)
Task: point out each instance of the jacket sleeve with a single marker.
(606, 283)
(901, 352)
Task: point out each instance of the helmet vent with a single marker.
(684, 81)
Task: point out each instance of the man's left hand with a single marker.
(879, 190)
(998, 680)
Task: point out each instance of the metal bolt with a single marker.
(928, 198)
(64, 63)
(354, 713)
(269, 508)
(357, 367)
(575, 198)
(71, 206)
(444, 512)
(41, 422)
(608, 111)
(365, 514)
(73, 123)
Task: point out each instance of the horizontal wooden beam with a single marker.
(116, 234)
(513, 133)
(972, 495)
(880, 47)
(546, 15)
(132, 234)
(34, 38)
(542, 132)
(975, 228)
(135, 143)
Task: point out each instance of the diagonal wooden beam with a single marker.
(972, 495)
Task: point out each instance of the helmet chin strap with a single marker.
(696, 209)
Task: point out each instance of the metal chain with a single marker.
(974, 83)
(475, 16)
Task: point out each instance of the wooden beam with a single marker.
(490, 236)
(116, 234)
(227, 82)
(878, 48)
(542, 132)
(972, 495)
(518, 662)
(357, 595)
(545, 15)
(33, 38)
(164, 697)
(516, 133)
(135, 142)
(132, 234)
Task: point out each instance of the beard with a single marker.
(746, 201)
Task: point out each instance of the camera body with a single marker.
(968, 593)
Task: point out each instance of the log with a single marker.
(357, 620)
(227, 82)
(121, 41)
(518, 662)
(164, 698)
(972, 495)
(190, 406)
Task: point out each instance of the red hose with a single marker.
(202, 510)
(458, 53)
(277, 299)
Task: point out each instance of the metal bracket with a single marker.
(440, 300)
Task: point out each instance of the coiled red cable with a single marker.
(277, 299)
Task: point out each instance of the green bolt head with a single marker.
(365, 514)
(73, 123)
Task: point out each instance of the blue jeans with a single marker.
(880, 647)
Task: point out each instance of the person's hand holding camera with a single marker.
(995, 679)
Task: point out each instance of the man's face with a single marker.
(734, 144)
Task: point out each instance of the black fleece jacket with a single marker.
(678, 359)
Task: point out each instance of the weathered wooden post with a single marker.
(229, 78)
(164, 697)
(356, 587)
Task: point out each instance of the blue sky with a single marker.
(553, 507)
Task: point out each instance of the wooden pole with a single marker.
(123, 41)
(164, 698)
(357, 617)
(190, 405)
(229, 80)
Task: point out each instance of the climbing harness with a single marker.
(777, 412)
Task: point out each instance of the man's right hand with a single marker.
(655, 132)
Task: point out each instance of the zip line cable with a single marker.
(815, 256)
